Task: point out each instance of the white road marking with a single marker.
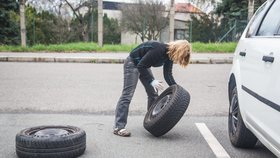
(216, 147)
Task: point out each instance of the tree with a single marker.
(79, 9)
(201, 26)
(45, 27)
(9, 28)
(235, 13)
(258, 3)
(80, 17)
(79, 25)
(112, 30)
(204, 5)
(234, 17)
(145, 18)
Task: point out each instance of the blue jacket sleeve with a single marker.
(167, 72)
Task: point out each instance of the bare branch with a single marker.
(78, 17)
(146, 18)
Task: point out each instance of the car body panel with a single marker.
(258, 83)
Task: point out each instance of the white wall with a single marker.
(126, 37)
(116, 14)
(130, 38)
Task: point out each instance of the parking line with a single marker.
(216, 147)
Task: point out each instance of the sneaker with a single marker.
(122, 132)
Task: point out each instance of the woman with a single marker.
(138, 64)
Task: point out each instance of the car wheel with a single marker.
(167, 110)
(51, 141)
(239, 134)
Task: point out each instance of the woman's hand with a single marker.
(158, 85)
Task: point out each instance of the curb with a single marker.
(102, 60)
(61, 59)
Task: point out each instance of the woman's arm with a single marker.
(167, 72)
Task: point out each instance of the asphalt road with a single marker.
(85, 95)
(95, 88)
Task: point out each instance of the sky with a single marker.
(165, 1)
(206, 7)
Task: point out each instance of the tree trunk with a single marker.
(81, 21)
(85, 33)
(22, 23)
(250, 9)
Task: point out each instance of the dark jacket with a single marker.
(153, 53)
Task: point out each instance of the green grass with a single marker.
(214, 47)
(93, 47)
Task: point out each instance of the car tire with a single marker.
(240, 136)
(51, 141)
(167, 110)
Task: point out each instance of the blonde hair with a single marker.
(179, 52)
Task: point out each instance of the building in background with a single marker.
(182, 28)
(112, 9)
(183, 24)
(183, 12)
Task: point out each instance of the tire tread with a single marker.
(170, 116)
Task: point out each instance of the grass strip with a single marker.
(93, 47)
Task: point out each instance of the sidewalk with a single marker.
(107, 57)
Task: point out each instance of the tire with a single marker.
(167, 110)
(240, 136)
(50, 141)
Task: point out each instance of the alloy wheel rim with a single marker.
(51, 131)
(233, 114)
(161, 105)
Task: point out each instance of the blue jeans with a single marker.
(131, 76)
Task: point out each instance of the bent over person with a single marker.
(137, 65)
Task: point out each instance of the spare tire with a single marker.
(167, 110)
(51, 141)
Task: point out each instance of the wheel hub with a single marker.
(161, 105)
(51, 132)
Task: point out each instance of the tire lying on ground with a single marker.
(51, 142)
(167, 110)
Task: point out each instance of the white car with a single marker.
(254, 82)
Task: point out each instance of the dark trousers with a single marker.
(131, 76)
